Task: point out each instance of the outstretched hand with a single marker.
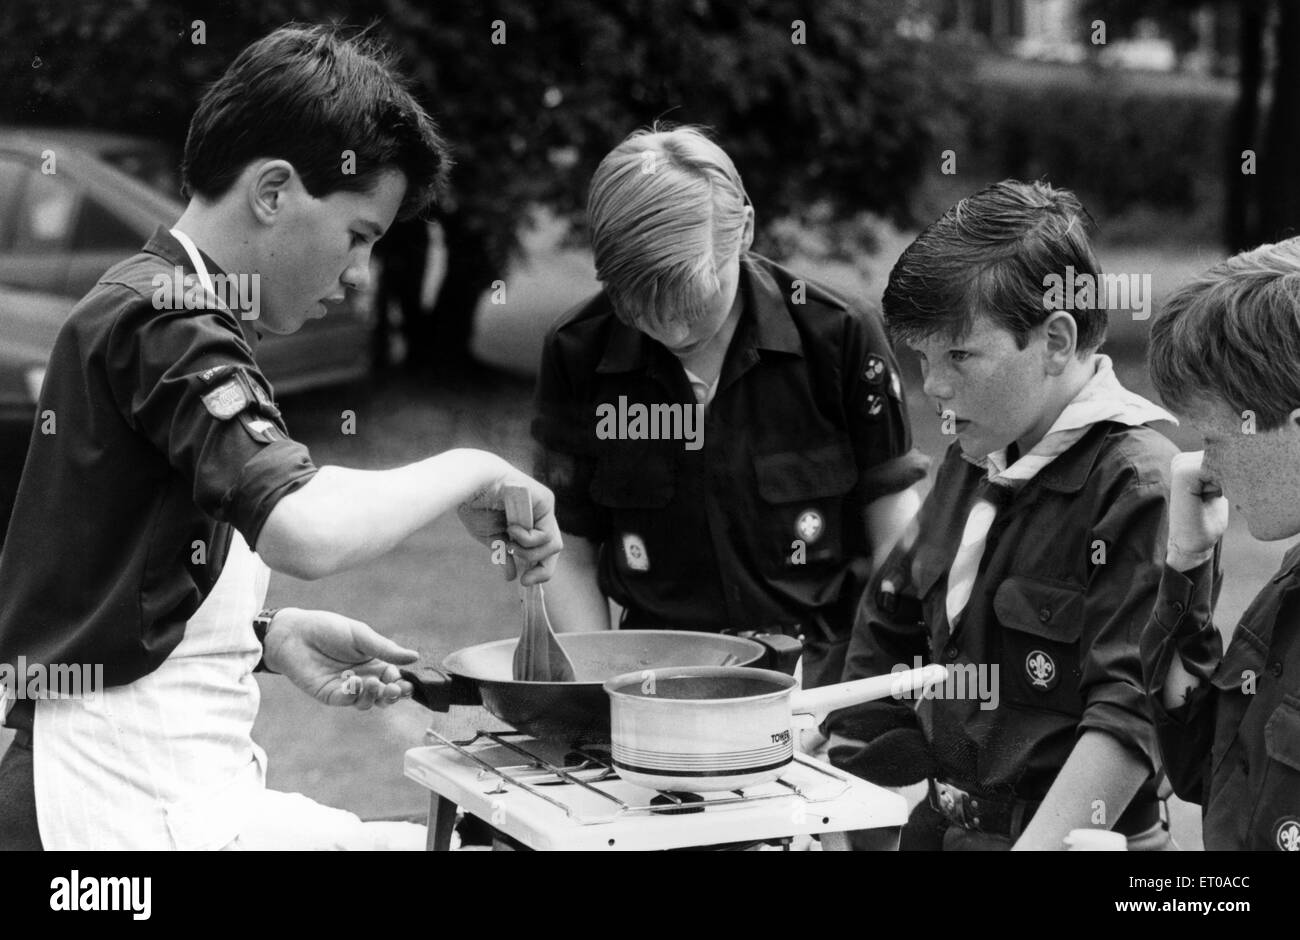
(336, 660)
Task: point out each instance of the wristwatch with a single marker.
(262, 623)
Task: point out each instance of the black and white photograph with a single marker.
(651, 425)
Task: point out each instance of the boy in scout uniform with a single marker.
(1033, 562)
(1225, 354)
(143, 528)
(727, 440)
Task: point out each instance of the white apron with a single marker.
(168, 761)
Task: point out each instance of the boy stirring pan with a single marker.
(1225, 354)
(1033, 563)
(169, 440)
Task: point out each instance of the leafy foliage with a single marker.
(846, 119)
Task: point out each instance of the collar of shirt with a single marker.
(164, 244)
(1290, 567)
(1068, 472)
(765, 326)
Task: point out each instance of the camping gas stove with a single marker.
(548, 795)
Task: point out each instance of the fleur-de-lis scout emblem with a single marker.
(1287, 834)
(634, 553)
(1041, 670)
(809, 525)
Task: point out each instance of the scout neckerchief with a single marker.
(1102, 399)
(196, 260)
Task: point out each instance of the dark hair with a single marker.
(1233, 334)
(306, 94)
(990, 254)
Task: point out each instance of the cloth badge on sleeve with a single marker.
(634, 553)
(259, 429)
(1041, 670)
(875, 405)
(227, 399)
(809, 525)
(263, 399)
(1286, 833)
(874, 370)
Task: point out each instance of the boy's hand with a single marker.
(1198, 512)
(484, 517)
(336, 660)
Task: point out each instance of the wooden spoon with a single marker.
(539, 656)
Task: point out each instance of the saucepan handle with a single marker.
(820, 702)
(783, 651)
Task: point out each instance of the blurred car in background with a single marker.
(60, 231)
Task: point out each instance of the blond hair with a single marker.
(667, 210)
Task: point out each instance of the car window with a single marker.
(98, 229)
(13, 174)
(44, 220)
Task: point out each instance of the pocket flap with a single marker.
(629, 482)
(1282, 733)
(809, 473)
(1044, 608)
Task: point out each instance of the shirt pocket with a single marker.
(1042, 622)
(803, 507)
(636, 486)
(1277, 815)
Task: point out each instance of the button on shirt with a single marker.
(1234, 745)
(1065, 586)
(166, 438)
(759, 522)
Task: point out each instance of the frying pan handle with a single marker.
(821, 701)
(437, 690)
(783, 651)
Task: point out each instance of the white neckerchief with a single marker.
(196, 260)
(704, 391)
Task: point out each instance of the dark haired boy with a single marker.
(132, 539)
(1225, 354)
(1033, 562)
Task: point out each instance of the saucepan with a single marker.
(578, 711)
(705, 729)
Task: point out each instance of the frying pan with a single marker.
(579, 710)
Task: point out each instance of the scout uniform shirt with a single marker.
(166, 441)
(756, 521)
(1066, 583)
(1234, 745)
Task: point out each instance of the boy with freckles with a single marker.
(1225, 354)
(1035, 558)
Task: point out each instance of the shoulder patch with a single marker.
(227, 399)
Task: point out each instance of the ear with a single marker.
(268, 186)
(747, 236)
(1062, 335)
(1293, 419)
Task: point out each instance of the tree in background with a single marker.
(826, 105)
(1263, 206)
